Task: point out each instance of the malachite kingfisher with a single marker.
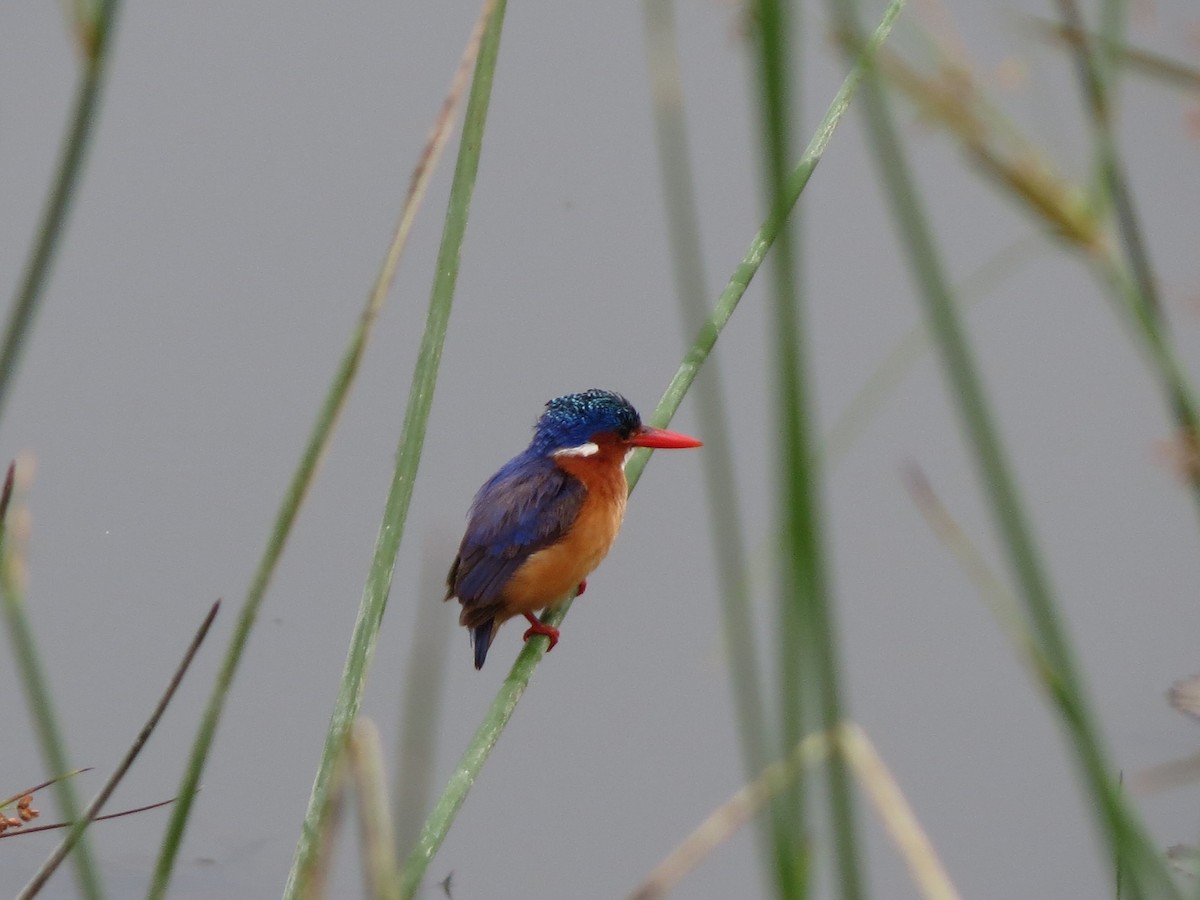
(539, 526)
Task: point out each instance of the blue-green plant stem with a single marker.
(303, 477)
(38, 695)
(437, 825)
(687, 255)
(96, 46)
(1126, 837)
(420, 400)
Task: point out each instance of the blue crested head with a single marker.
(573, 419)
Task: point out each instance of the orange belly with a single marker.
(550, 574)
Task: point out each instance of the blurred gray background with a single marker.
(246, 174)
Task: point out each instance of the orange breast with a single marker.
(550, 574)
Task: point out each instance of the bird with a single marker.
(545, 520)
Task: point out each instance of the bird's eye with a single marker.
(624, 433)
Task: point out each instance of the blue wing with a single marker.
(526, 506)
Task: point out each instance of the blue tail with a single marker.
(481, 636)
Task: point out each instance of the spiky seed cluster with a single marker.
(25, 813)
(25, 808)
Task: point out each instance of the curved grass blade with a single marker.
(1127, 839)
(437, 825)
(720, 478)
(928, 873)
(1080, 217)
(13, 539)
(96, 30)
(1095, 68)
(420, 399)
(297, 489)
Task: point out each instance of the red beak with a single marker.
(661, 439)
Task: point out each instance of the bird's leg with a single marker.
(582, 588)
(538, 627)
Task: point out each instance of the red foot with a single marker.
(582, 588)
(537, 627)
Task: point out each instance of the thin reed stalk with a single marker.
(446, 808)
(1061, 680)
(720, 477)
(95, 27)
(412, 440)
(14, 538)
(302, 478)
(90, 814)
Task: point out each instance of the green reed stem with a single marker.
(808, 647)
(98, 34)
(720, 477)
(302, 479)
(481, 744)
(408, 457)
(35, 684)
(1096, 76)
(1061, 679)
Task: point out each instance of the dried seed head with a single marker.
(25, 808)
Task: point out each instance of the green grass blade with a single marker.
(801, 570)
(303, 477)
(1125, 835)
(13, 538)
(412, 439)
(720, 477)
(485, 738)
(1113, 18)
(928, 874)
(707, 336)
(96, 41)
(996, 148)
(808, 648)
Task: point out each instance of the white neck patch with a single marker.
(588, 449)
